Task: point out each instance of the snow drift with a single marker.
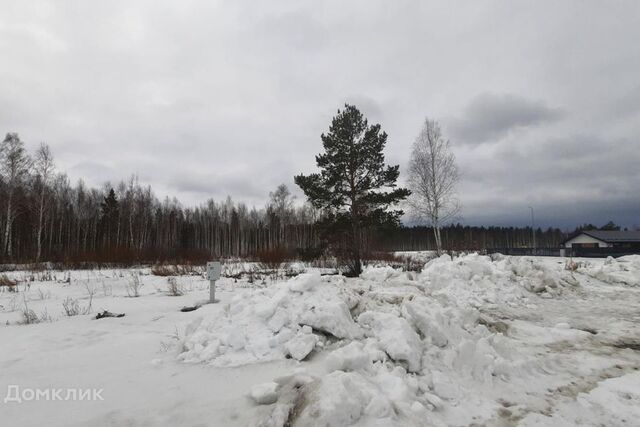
(398, 344)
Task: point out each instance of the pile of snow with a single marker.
(403, 319)
(624, 270)
(271, 323)
(476, 280)
(398, 345)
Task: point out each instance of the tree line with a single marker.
(47, 218)
(352, 209)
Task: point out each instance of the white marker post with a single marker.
(213, 273)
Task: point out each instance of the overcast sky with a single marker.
(201, 99)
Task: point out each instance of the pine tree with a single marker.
(610, 226)
(110, 214)
(355, 189)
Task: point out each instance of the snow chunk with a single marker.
(305, 282)
(436, 323)
(343, 398)
(264, 394)
(351, 357)
(396, 337)
(331, 317)
(381, 396)
(302, 344)
(379, 274)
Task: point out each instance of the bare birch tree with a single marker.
(14, 166)
(433, 176)
(44, 170)
(281, 203)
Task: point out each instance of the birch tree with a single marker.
(433, 177)
(14, 166)
(44, 169)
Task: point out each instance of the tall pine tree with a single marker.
(110, 216)
(354, 188)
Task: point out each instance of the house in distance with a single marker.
(604, 239)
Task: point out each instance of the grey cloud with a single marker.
(251, 186)
(369, 107)
(490, 117)
(203, 99)
(94, 173)
(628, 104)
(215, 186)
(569, 180)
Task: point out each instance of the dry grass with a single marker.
(7, 283)
(273, 259)
(168, 270)
(71, 307)
(133, 286)
(174, 288)
(395, 261)
(572, 265)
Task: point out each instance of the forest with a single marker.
(45, 217)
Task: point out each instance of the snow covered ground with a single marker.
(500, 341)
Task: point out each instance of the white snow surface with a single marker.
(474, 340)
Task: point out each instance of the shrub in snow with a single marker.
(273, 260)
(29, 316)
(43, 295)
(572, 265)
(164, 270)
(173, 287)
(8, 283)
(134, 285)
(71, 306)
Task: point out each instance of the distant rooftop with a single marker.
(614, 236)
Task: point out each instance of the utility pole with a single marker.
(533, 229)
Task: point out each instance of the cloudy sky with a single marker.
(541, 101)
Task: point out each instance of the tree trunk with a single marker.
(436, 234)
(7, 230)
(40, 217)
